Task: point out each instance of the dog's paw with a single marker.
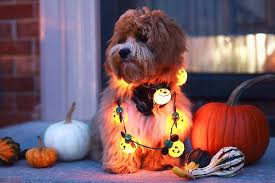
(156, 161)
(153, 162)
(160, 165)
(153, 166)
(122, 170)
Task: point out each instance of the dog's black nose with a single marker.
(124, 52)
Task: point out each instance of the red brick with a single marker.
(26, 103)
(26, 1)
(15, 48)
(26, 66)
(27, 29)
(19, 61)
(36, 9)
(7, 103)
(13, 84)
(5, 31)
(7, 1)
(16, 11)
(37, 47)
(6, 66)
(37, 84)
(13, 118)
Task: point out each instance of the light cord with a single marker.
(125, 130)
(174, 119)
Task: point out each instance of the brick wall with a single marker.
(19, 61)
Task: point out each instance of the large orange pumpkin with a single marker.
(217, 125)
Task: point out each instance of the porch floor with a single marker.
(88, 171)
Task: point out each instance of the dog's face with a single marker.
(145, 45)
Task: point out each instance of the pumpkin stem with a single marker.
(69, 114)
(40, 144)
(234, 96)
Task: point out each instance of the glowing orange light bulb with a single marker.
(123, 83)
(182, 123)
(115, 116)
(177, 149)
(127, 147)
(162, 96)
(182, 77)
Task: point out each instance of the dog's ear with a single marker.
(107, 63)
(168, 39)
(107, 67)
(176, 33)
(111, 67)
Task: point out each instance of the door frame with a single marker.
(70, 57)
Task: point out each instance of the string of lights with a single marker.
(173, 146)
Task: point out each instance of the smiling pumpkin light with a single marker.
(162, 96)
(128, 143)
(174, 147)
(116, 115)
(181, 124)
(127, 147)
(177, 149)
(182, 77)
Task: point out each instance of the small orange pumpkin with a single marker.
(9, 151)
(217, 125)
(41, 157)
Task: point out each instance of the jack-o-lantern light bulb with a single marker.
(126, 144)
(116, 112)
(174, 147)
(162, 96)
(181, 124)
(127, 147)
(182, 77)
(177, 149)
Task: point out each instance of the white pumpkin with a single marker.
(70, 138)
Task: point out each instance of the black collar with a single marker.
(143, 97)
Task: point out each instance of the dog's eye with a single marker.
(141, 38)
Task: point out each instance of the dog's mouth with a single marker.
(131, 72)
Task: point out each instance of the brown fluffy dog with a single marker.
(146, 48)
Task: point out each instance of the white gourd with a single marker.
(70, 138)
(227, 162)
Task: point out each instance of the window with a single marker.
(226, 36)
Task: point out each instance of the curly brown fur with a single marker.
(154, 47)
